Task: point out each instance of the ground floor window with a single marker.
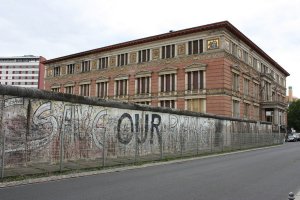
(85, 90)
(69, 89)
(168, 103)
(55, 89)
(196, 105)
(235, 108)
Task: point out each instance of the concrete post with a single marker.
(103, 150)
(2, 133)
(291, 196)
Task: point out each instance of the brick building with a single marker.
(212, 69)
(24, 71)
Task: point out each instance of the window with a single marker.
(255, 90)
(264, 68)
(144, 55)
(235, 82)
(103, 63)
(196, 105)
(56, 89)
(277, 78)
(236, 108)
(168, 51)
(234, 49)
(255, 63)
(246, 56)
(143, 85)
(246, 110)
(167, 103)
(56, 71)
(85, 90)
(195, 47)
(167, 82)
(267, 91)
(121, 87)
(70, 69)
(144, 102)
(246, 86)
(282, 81)
(85, 66)
(102, 91)
(69, 89)
(195, 80)
(122, 59)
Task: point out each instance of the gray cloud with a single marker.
(60, 27)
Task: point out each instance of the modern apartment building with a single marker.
(23, 71)
(211, 69)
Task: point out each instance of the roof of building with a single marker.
(224, 24)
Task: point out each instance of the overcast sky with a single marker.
(54, 28)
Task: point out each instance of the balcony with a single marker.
(274, 104)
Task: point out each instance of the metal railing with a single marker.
(69, 152)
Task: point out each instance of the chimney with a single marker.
(290, 93)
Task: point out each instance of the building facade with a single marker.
(211, 69)
(24, 71)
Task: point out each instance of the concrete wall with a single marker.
(40, 126)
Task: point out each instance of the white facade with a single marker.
(20, 71)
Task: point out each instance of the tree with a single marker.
(294, 115)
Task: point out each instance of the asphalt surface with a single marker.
(261, 174)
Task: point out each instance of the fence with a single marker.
(43, 133)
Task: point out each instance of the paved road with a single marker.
(262, 174)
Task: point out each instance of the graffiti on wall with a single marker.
(82, 130)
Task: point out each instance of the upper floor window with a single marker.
(234, 49)
(264, 68)
(103, 63)
(246, 56)
(70, 69)
(122, 59)
(235, 82)
(102, 89)
(143, 85)
(255, 90)
(195, 47)
(254, 63)
(167, 82)
(144, 55)
(121, 87)
(277, 78)
(85, 66)
(195, 80)
(246, 86)
(85, 89)
(56, 71)
(168, 51)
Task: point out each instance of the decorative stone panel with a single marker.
(132, 57)
(49, 72)
(77, 67)
(181, 49)
(112, 60)
(155, 54)
(94, 64)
